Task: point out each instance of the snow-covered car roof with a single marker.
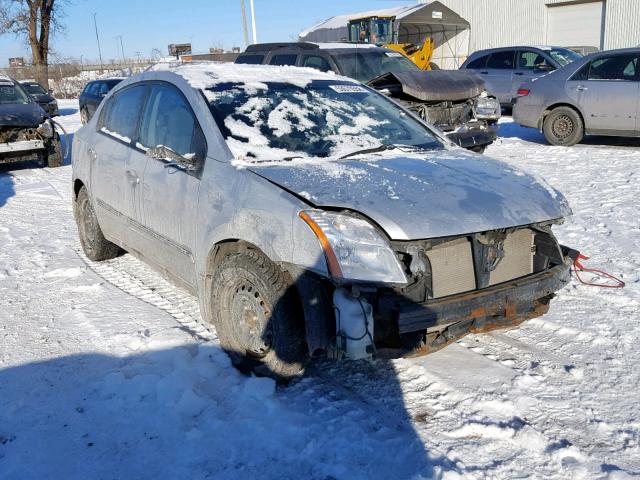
(205, 75)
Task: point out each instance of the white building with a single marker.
(604, 24)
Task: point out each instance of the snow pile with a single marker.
(104, 372)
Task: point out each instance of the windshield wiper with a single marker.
(379, 148)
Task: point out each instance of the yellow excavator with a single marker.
(381, 31)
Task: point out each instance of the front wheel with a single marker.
(54, 153)
(563, 127)
(257, 314)
(84, 116)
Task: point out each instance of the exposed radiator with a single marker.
(452, 268)
(518, 257)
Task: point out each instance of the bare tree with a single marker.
(33, 20)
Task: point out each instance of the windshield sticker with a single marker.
(393, 54)
(348, 88)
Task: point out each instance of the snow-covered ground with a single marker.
(105, 373)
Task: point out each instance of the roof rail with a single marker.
(261, 47)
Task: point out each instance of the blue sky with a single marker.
(145, 25)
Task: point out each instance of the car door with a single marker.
(607, 90)
(529, 64)
(115, 174)
(498, 75)
(175, 148)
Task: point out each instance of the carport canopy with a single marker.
(414, 23)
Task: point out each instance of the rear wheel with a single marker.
(95, 246)
(563, 127)
(257, 315)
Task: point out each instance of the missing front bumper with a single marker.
(432, 325)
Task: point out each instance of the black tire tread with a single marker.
(100, 249)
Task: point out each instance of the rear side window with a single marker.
(120, 115)
(168, 120)
(314, 61)
(479, 63)
(250, 59)
(284, 59)
(103, 88)
(528, 60)
(619, 67)
(501, 60)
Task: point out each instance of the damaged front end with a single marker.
(453, 101)
(469, 284)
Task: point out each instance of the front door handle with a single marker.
(484, 73)
(581, 88)
(133, 177)
(518, 73)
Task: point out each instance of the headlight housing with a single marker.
(487, 108)
(45, 129)
(354, 249)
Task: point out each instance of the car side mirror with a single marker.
(172, 159)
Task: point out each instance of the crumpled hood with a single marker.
(433, 85)
(426, 195)
(21, 115)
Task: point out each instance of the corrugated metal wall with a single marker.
(498, 23)
(622, 24)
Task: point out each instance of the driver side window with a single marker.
(169, 121)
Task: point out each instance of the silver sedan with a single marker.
(596, 95)
(312, 215)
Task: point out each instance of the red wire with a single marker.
(577, 268)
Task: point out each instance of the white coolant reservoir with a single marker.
(354, 325)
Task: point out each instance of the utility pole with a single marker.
(253, 22)
(122, 49)
(95, 24)
(244, 23)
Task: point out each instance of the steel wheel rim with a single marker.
(562, 126)
(251, 320)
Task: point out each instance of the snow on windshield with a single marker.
(323, 120)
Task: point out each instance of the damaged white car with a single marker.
(312, 215)
(26, 130)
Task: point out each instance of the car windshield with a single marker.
(34, 89)
(281, 121)
(367, 64)
(12, 93)
(564, 56)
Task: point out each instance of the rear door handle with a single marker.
(581, 88)
(484, 73)
(518, 73)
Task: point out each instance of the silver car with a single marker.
(312, 215)
(504, 69)
(596, 95)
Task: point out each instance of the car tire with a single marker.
(84, 116)
(95, 246)
(257, 314)
(563, 126)
(54, 154)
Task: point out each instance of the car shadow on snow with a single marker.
(184, 412)
(67, 111)
(6, 185)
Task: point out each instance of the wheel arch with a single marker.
(311, 289)
(552, 107)
(77, 186)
